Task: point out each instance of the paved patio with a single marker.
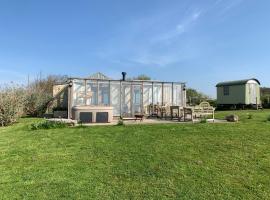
(162, 121)
(133, 122)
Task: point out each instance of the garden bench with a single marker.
(204, 109)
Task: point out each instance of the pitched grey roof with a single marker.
(239, 82)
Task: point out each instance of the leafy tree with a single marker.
(142, 77)
(195, 97)
(39, 93)
(265, 97)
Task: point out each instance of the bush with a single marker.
(12, 101)
(249, 116)
(120, 122)
(195, 97)
(36, 103)
(203, 120)
(39, 93)
(58, 108)
(47, 125)
(16, 101)
(268, 118)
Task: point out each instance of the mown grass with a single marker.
(172, 161)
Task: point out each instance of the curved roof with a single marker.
(239, 82)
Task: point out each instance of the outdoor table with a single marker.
(139, 116)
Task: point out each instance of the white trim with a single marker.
(252, 81)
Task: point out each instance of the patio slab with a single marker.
(153, 121)
(132, 122)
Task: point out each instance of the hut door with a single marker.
(252, 93)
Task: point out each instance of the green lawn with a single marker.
(172, 161)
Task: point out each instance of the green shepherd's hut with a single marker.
(238, 94)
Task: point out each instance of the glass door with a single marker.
(126, 100)
(136, 99)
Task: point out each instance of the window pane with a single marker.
(104, 93)
(178, 94)
(147, 94)
(91, 92)
(226, 90)
(157, 94)
(167, 94)
(115, 97)
(137, 90)
(126, 99)
(78, 92)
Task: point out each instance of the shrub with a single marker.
(80, 124)
(203, 120)
(39, 93)
(120, 122)
(32, 100)
(268, 118)
(47, 125)
(59, 108)
(36, 103)
(12, 101)
(249, 116)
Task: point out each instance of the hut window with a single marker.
(226, 90)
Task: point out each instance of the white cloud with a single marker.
(156, 60)
(196, 15)
(153, 40)
(179, 29)
(227, 5)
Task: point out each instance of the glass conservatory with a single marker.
(126, 98)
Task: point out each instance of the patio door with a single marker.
(131, 101)
(136, 99)
(126, 110)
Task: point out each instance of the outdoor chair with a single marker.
(166, 112)
(188, 111)
(146, 110)
(154, 110)
(176, 112)
(163, 111)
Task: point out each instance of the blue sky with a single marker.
(199, 42)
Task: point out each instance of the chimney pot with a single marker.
(124, 76)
